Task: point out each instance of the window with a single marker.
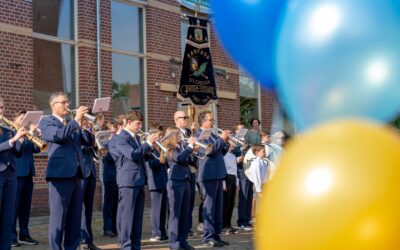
(53, 51)
(248, 99)
(54, 18)
(127, 57)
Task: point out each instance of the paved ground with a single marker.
(39, 228)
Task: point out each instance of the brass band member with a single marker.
(65, 171)
(157, 182)
(178, 187)
(25, 172)
(212, 172)
(110, 203)
(131, 180)
(181, 122)
(9, 146)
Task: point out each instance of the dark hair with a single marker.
(19, 112)
(254, 119)
(257, 148)
(156, 126)
(264, 133)
(134, 116)
(202, 116)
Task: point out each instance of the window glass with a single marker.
(127, 83)
(126, 27)
(53, 71)
(54, 18)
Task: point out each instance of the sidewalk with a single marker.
(39, 231)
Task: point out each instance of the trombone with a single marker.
(30, 136)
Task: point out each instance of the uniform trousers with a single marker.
(8, 187)
(65, 200)
(213, 199)
(130, 214)
(110, 206)
(23, 201)
(159, 201)
(179, 204)
(89, 188)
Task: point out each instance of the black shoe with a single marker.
(225, 243)
(186, 247)
(190, 234)
(110, 234)
(89, 246)
(15, 243)
(212, 243)
(28, 241)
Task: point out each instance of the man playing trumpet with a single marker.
(9, 146)
(131, 179)
(65, 171)
(212, 172)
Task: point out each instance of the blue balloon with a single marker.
(339, 59)
(247, 29)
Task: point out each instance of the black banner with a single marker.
(197, 77)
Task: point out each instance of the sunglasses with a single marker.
(184, 117)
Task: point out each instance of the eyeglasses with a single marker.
(184, 117)
(63, 102)
(211, 120)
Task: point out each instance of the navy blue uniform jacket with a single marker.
(25, 163)
(65, 153)
(7, 152)
(212, 167)
(130, 161)
(156, 172)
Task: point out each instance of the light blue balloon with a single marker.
(247, 29)
(340, 59)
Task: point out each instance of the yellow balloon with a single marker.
(336, 187)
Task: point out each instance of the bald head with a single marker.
(181, 119)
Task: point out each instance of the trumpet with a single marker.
(157, 142)
(206, 147)
(95, 120)
(236, 141)
(31, 137)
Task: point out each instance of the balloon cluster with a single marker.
(331, 61)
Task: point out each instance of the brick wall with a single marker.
(163, 27)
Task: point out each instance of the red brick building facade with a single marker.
(40, 55)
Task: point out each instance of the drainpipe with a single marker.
(98, 48)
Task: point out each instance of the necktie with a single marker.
(65, 122)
